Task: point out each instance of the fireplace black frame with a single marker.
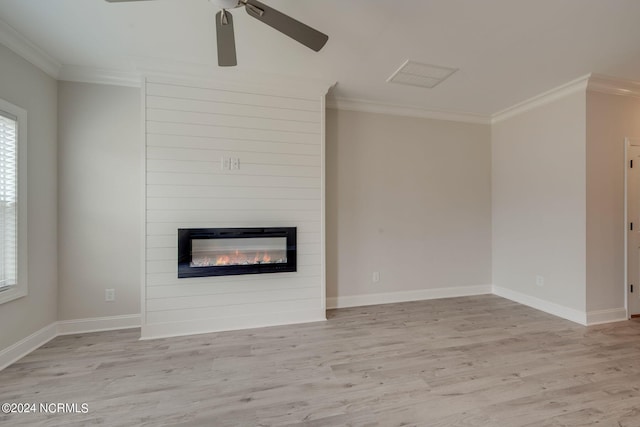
(186, 235)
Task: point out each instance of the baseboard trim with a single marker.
(406, 296)
(25, 346)
(598, 317)
(98, 324)
(36, 340)
(571, 314)
(205, 326)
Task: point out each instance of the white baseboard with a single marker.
(405, 296)
(597, 317)
(542, 305)
(25, 346)
(97, 324)
(205, 326)
(64, 327)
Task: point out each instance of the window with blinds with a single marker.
(8, 200)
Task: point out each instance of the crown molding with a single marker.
(577, 85)
(74, 73)
(19, 44)
(590, 82)
(349, 104)
(613, 86)
(212, 76)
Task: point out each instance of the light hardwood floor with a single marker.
(473, 361)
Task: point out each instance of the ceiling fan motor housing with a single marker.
(226, 4)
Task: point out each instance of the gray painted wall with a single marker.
(409, 198)
(26, 86)
(100, 199)
(539, 199)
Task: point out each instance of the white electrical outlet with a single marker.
(235, 163)
(109, 294)
(376, 277)
(539, 280)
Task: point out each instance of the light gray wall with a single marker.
(610, 118)
(539, 199)
(409, 198)
(24, 85)
(100, 199)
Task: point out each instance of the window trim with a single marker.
(20, 289)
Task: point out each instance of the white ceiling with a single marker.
(506, 50)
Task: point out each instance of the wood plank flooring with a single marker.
(472, 361)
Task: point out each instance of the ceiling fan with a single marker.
(298, 31)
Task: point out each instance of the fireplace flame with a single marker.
(238, 257)
(223, 260)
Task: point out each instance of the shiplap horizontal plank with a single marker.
(225, 108)
(164, 128)
(171, 266)
(303, 277)
(171, 240)
(166, 228)
(168, 241)
(255, 216)
(197, 289)
(232, 310)
(232, 97)
(231, 145)
(231, 180)
(194, 203)
(169, 254)
(307, 276)
(264, 296)
(154, 267)
(232, 192)
(247, 169)
(214, 156)
(229, 121)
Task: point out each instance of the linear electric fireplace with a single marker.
(229, 251)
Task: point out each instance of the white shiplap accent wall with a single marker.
(279, 138)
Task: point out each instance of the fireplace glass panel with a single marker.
(238, 251)
(204, 252)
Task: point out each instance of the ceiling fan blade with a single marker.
(298, 31)
(226, 39)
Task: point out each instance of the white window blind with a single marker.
(8, 200)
